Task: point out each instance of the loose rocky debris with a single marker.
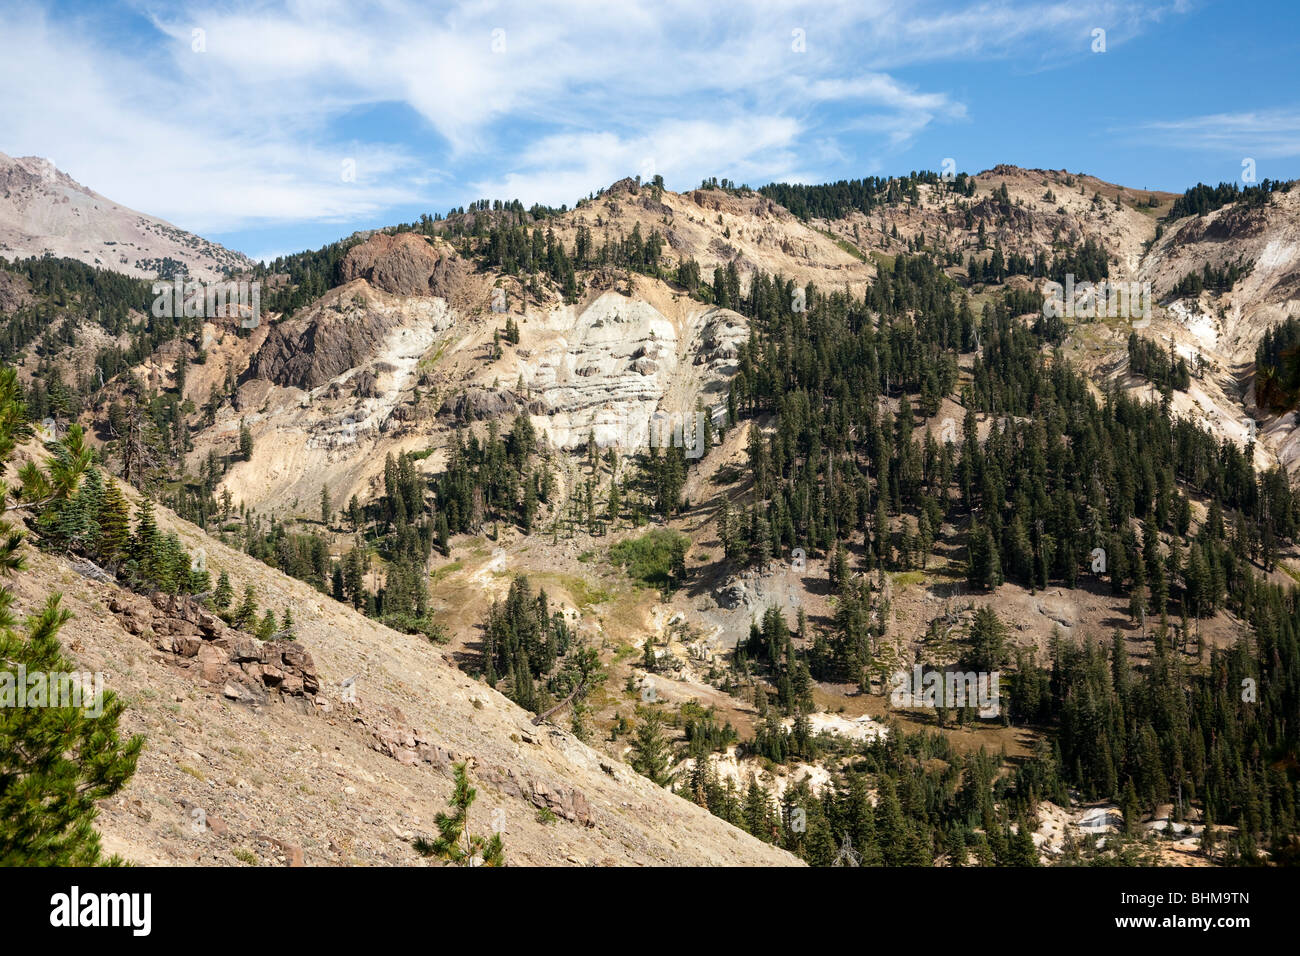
(262, 846)
(393, 736)
(281, 851)
(570, 803)
(193, 638)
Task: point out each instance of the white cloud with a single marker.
(565, 167)
(545, 100)
(205, 162)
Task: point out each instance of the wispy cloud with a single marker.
(1263, 134)
(563, 167)
(220, 115)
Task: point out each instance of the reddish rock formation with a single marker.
(405, 264)
(249, 670)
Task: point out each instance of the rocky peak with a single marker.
(406, 264)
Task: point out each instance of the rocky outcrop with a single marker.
(569, 803)
(476, 404)
(14, 293)
(406, 264)
(248, 670)
(603, 370)
(392, 736)
(730, 596)
(308, 352)
(1234, 223)
(721, 335)
(607, 369)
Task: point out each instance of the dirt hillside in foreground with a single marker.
(289, 781)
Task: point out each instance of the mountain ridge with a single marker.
(466, 400)
(45, 211)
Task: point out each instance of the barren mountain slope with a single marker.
(333, 783)
(43, 210)
(715, 227)
(362, 372)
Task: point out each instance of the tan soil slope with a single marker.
(285, 785)
(715, 227)
(1032, 224)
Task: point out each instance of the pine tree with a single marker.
(758, 817)
(986, 642)
(1131, 809)
(1209, 837)
(984, 570)
(444, 534)
(891, 827)
(839, 569)
(74, 526)
(651, 756)
(455, 844)
(114, 527)
(266, 628)
(145, 547)
(224, 593)
(56, 762)
(245, 617)
(170, 564)
(245, 442)
(1137, 605)
(1021, 849)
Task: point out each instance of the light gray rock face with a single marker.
(610, 368)
(477, 404)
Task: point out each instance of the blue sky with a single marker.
(277, 127)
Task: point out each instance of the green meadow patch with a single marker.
(650, 558)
